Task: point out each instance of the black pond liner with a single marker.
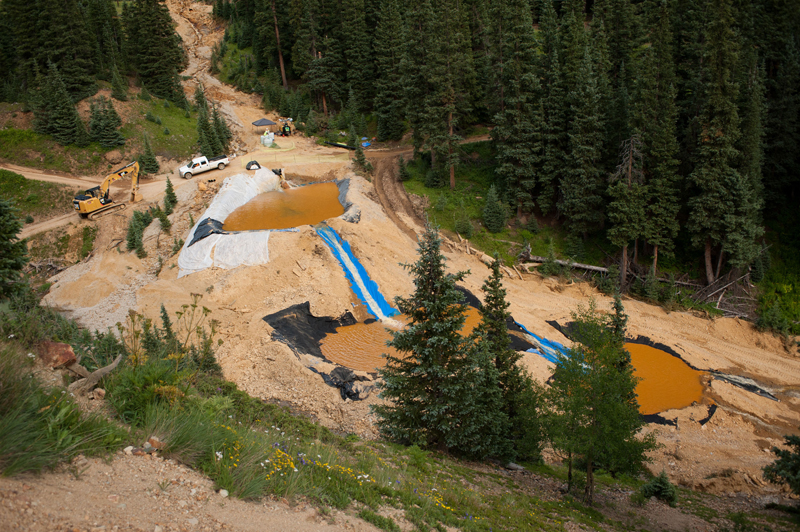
(206, 228)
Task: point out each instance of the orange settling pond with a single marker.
(667, 381)
(361, 346)
(283, 209)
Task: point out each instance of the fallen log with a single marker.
(86, 384)
(578, 265)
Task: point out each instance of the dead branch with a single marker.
(86, 384)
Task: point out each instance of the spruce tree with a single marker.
(654, 120)
(147, 161)
(517, 139)
(553, 111)
(786, 467)
(119, 88)
(81, 136)
(221, 129)
(170, 199)
(581, 186)
(13, 251)
(492, 333)
(723, 211)
(61, 117)
(628, 193)
(389, 102)
(494, 215)
(358, 53)
(427, 387)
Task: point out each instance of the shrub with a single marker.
(532, 225)
(661, 488)
(494, 216)
(441, 203)
(145, 95)
(134, 387)
(550, 266)
(464, 227)
(40, 428)
(574, 247)
(786, 468)
(167, 131)
(403, 172)
(29, 219)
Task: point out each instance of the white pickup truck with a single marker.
(201, 164)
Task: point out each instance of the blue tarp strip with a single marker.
(373, 298)
(548, 349)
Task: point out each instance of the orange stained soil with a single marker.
(283, 209)
(667, 381)
(361, 346)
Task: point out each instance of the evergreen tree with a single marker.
(57, 114)
(628, 193)
(389, 102)
(358, 53)
(416, 66)
(492, 334)
(103, 123)
(119, 88)
(654, 120)
(494, 215)
(221, 129)
(433, 391)
(13, 251)
(155, 49)
(81, 136)
(147, 160)
(596, 415)
(786, 468)
(553, 111)
(582, 201)
(170, 199)
(518, 141)
(723, 211)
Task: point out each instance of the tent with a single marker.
(264, 122)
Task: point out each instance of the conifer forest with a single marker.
(665, 124)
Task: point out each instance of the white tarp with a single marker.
(235, 249)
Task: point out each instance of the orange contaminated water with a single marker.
(667, 381)
(282, 209)
(361, 346)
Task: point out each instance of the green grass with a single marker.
(25, 147)
(179, 144)
(40, 428)
(89, 234)
(35, 198)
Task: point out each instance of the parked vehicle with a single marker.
(201, 164)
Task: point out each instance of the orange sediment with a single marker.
(667, 381)
(282, 209)
(361, 346)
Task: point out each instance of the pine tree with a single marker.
(389, 102)
(221, 129)
(628, 193)
(723, 212)
(654, 119)
(147, 160)
(81, 136)
(429, 388)
(103, 124)
(517, 139)
(786, 467)
(60, 117)
(358, 53)
(492, 333)
(13, 251)
(494, 215)
(553, 111)
(119, 88)
(596, 415)
(170, 199)
(582, 200)
(416, 66)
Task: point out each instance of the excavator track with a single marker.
(107, 210)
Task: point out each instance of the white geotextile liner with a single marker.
(235, 249)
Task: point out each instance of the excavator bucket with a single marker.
(136, 196)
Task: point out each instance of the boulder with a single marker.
(56, 354)
(114, 156)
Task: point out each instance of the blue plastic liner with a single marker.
(548, 349)
(365, 288)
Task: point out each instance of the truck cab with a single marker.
(201, 164)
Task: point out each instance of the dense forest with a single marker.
(665, 125)
(640, 118)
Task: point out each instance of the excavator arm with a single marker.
(131, 169)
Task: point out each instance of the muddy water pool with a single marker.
(362, 345)
(283, 209)
(667, 381)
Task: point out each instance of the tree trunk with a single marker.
(278, 42)
(623, 272)
(636, 251)
(655, 260)
(587, 497)
(719, 263)
(709, 266)
(450, 152)
(324, 104)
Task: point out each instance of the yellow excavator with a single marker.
(96, 201)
